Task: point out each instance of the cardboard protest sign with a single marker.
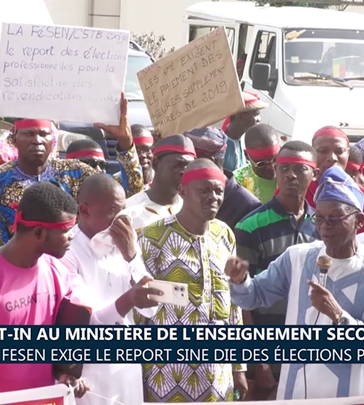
(54, 395)
(62, 73)
(193, 87)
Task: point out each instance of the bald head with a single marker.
(96, 187)
(260, 136)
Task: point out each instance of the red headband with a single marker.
(145, 140)
(83, 153)
(203, 173)
(332, 132)
(355, 166)
(49, 225)
(296, 160)
(33, 124)
(174, 148)
(264, 153)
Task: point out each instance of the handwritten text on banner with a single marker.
(193, 87)
(62, 73)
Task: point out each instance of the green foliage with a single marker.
(152, 44)
(281, 3)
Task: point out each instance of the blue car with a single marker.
(137, 112)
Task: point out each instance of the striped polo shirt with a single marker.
(266, 233)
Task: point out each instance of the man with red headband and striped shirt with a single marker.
(282, 222)
(236, 126)
(171, 156)
(258, 176)
(34, 141)
(202, 244)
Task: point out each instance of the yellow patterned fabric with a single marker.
(171, 253)
(68, 173)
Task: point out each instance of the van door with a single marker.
(265, 49)
(194, 28)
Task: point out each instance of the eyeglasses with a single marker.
(263, 163)
(330, 221)
(95, 163)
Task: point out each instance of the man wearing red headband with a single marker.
(89, 152)
(236, 126)
(193, 247)
(34, 141)
(354, 167)
(258, 176)
(332, 148)
(171, 156)
(33, 282)
(238, 201)
(143, 141)
(283, 221)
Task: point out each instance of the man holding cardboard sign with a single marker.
(193, 87)
(34, 140)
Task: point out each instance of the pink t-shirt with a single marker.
(30, 297)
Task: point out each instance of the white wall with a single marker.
(163, 17)
(69, 12)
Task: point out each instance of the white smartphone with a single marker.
(173, 293)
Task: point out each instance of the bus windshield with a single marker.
(324, 57)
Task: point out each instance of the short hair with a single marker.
(299, 146)
(82, 144)
(260, 135)
(137, 129)
(355, 155)
(45, 202)
(200, 163)
(97, 186)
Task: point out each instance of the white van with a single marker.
(307, 63)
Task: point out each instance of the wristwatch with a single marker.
(342, 321)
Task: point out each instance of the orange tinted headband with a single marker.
(203, 174)
(264, 153)
(49, 225)
(296, 161)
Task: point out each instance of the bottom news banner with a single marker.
(175, 344)
(181, 344)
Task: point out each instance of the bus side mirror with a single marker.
(261, 75)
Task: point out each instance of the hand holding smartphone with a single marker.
(173, 293)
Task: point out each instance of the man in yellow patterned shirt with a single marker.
(193, 247)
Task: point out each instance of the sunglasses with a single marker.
(331, 221)
(95, 163)
(263, 163)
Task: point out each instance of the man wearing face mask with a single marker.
(258, 175)
(34, 140)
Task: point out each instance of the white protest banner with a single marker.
(193, 87)
(62, 73)
(54, 395)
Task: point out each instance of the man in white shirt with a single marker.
(171, 156)
(112, 284)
